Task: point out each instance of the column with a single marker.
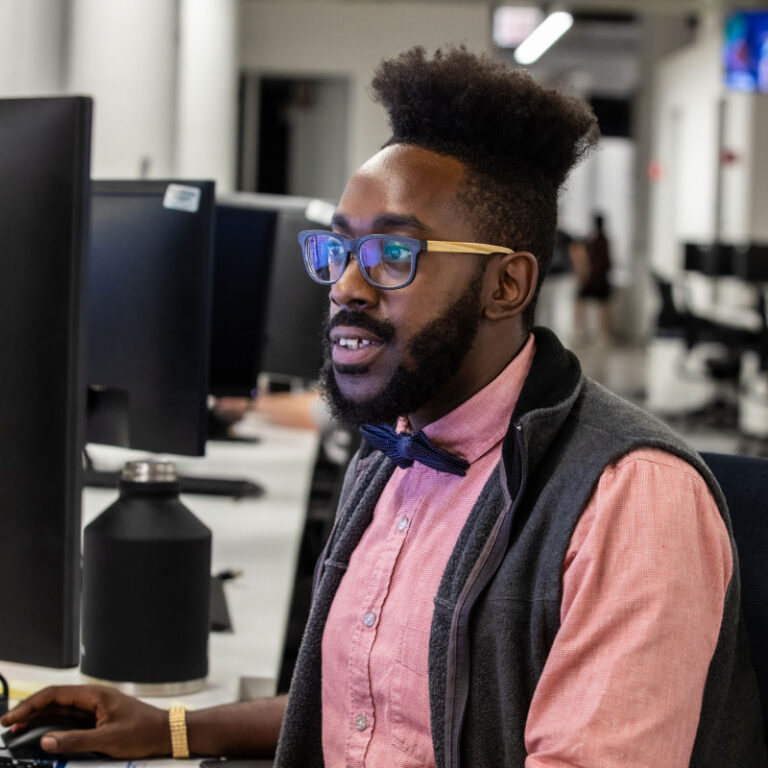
(207, 94)
(124, 55)
(32, 40)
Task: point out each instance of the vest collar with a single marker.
(548, 395)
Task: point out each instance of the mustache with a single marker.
(383, 329)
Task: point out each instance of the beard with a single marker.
(437, 351)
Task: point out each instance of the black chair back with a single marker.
(744, 481)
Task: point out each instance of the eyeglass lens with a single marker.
(384, 260)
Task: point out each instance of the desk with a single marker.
(260, 536)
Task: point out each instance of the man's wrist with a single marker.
(246, 728)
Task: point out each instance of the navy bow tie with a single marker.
(404, 449)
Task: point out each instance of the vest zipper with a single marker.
(468, 596)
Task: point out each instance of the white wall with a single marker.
(576, 202)
(163, 75)
(736, 205)
(759, 167)
(32, 47)
(339, 38)
(685, 146)
(321, 125)
(604, 183)
(124, 55)
(164, 72)
(744, 209)
(614, 196)
(206, 112)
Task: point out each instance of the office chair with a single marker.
(744, 481)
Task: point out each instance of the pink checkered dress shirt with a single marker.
(642, 605)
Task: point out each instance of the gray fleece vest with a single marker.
(497, 609)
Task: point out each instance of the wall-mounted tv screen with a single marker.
(745, 51)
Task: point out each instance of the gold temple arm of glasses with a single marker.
(446, 246)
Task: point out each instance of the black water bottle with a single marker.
(146, 588)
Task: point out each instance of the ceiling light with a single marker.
(543, 37)
(512, 24)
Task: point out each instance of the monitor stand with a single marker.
(208, 486)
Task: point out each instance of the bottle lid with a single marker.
(148, 471)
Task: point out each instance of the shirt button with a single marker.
(361, 722)
(369, 619)
(403, 522)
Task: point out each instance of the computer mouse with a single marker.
(24, 743)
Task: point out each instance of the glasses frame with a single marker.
(352, 245)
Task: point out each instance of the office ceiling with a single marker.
(675, 7)
(598, 55)
(601, 54)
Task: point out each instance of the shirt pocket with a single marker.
(409, 697)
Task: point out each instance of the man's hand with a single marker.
(124, 727)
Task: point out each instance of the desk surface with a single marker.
(261, 536)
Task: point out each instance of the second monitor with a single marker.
(267, 315)
(148, 314)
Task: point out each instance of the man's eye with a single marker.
(394, 252)
(334, 250)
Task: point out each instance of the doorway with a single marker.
(293, 135)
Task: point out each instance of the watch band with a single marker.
(177, 720)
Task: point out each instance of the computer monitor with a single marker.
(148, 314)
(267, 315)
(745, 50)
(245, 236)
(44, 203)
(298, 306)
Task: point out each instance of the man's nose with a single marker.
(352, 290)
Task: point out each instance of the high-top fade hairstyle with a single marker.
(517, 139)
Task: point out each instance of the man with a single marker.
(530, 572)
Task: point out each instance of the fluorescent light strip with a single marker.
(543, 37)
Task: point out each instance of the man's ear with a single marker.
(514, 277)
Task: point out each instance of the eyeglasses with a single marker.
(385, 261)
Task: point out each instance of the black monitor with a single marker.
(148, 314)
(268, 314)
(297, 306)
(713, 259)
(751, 262)
(44, 201)
(245, 236)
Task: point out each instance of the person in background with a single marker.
(592, 265)
(525, 570)
(301, 410)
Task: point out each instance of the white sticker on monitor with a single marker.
(320, 212)
(182, 198)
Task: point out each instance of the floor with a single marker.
(622, 369)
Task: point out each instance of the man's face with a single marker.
(392, 352)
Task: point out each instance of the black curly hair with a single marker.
(517, 139)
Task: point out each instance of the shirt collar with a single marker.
(478, 424)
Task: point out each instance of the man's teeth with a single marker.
(354, 343)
